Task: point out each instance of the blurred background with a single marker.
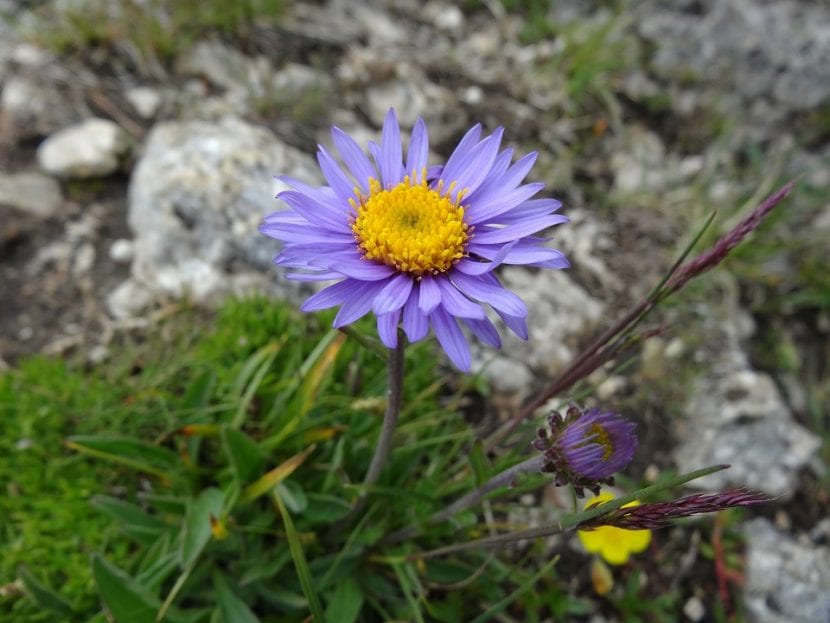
(138, 140)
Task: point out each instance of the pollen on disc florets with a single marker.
(411, 227)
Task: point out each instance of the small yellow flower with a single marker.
(615, 545)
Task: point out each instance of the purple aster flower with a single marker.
(586, 447)
(417, 245)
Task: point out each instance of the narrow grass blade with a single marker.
(406, 587)
(268, 481)
(300, 562)
(656, 291)
(231, 607)
(133, 453)
(251, 377)
(44, 596)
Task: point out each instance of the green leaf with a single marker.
(141, 526)
(324, 508)
(197, 524)
(126, 599)
(251, 377)
(271, 479)
(264, 568)
(346, 602)
(243, 453)
(300, 562)
(479, 463)
(232, 608)
(42, 595)
(128, 451)
(526, 586)
(293, 495)
(200, 390)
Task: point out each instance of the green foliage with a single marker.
(211, 472)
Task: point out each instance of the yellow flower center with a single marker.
(411, 227)
(604, 439)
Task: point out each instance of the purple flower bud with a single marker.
(598, 445)
(586, 447)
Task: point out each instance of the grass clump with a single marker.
(151, 31)
(201, 472)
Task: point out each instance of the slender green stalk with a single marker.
(390, 420)
(502, 479)
(568, 522)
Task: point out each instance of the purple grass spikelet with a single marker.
(659, 514)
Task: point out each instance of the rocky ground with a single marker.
(132, 175)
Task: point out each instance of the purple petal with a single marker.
(334, 175)
(284, 217)
(507, 182)
(328, 276)
(316, 213)
(470, 172)
(496, 296)
(516, 324)
(537, 256)
(416, 157)
(354, 158)
(429, 294)
(528, 209)
(388, 328)
(354, 267)
(521, 229)
(390, 151)
(460, 153)
(374, 149)
(456, 303)
(451, 338)
(494, 177)
(484, 330)
(358, 303)
(394, 295)
(472, 267)
(330, 296)
(415, 322)
(498, 203)
(305, 234)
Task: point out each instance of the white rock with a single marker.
(694, 609)
(145, 100)
(447, 17)
(91, 148)
(30, 55)
(129, 299)
(122, 251)
(786, 581)
(31, 192)
(196, 199)
(735, 415)
(84, 260)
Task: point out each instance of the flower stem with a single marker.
(390, 419)
(502, 479)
